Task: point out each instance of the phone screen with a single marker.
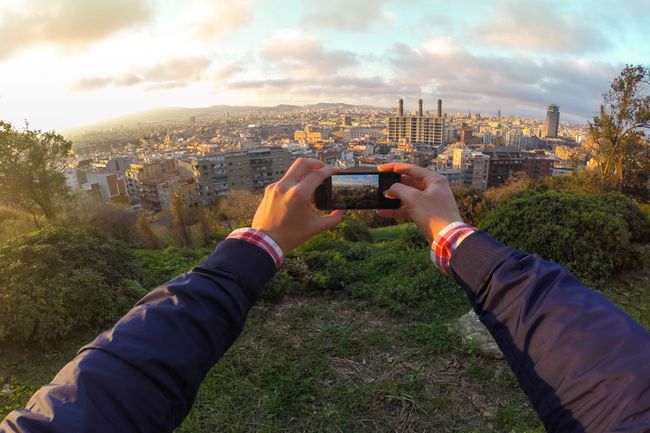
(364, 190)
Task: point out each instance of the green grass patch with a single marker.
(160, 266)
(390, 233)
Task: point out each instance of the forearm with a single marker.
(581, 361)
(143, 374)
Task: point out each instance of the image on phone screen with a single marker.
(361, 189)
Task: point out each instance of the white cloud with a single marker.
(209, 19)
(537, 25)
(66, 23)
(171, 73)
(357, 15)
(301, 55)
(481, 81)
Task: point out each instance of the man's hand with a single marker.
(287, 213)
(426, 199)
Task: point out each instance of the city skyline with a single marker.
(74, 62)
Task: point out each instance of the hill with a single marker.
(177, 114)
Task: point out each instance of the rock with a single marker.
(474, 332)
(5, 391)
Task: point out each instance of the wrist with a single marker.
(263, 240)
(446, 242)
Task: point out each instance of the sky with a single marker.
(355, 180)
(66, 63)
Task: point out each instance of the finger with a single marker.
(393, 213)
(314, 178)
(405, 193)
(386, 167)
(332, 220)
(411, 170)
(299, 169)
(413, 182)
(437, 182)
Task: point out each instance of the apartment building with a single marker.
(505, 162)
(474, 167)
(252, 170)
(417, 128)
(153, 185)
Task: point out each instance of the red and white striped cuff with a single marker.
(446, 242)
(262, 240)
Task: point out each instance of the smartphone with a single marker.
(357, 190)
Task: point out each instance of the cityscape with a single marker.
(175, 258)
(204, 158)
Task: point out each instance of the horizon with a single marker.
(112, 58)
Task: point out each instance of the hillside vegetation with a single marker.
(353, 333)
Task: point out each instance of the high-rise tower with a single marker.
(552, 121)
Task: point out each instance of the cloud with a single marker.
(482, 81)
(537, 25)
(357, 15)
(186, 68)
(225, 72)
(302, 55)
(442, 68)
(171, 73)
(67, 22)
(209, 19)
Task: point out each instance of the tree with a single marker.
(145, 233)
(180, 221)
(238, 209)
(31, 170)
(617, 138)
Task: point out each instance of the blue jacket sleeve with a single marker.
(143, 375)
(582, 362)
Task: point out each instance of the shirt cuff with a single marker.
(262, 240)
(446, 242)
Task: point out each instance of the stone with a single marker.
(474, 332)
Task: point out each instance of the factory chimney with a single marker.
(420, 110)
(400, 108)
(439, 107)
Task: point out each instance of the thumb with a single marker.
(332, 220)
(405, 193)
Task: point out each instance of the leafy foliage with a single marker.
(395, 273)
(238, 208)
(593, 236)
(57, 280)
(617, 135)
(113, 220)
(31, 169)
(159, 267)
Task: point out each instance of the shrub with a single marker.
(57, 280)
(591, 235)
(351, 230)
(160, 266)
(395, 273)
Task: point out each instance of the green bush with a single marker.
(395, 273)
(160, 266)
(593, 236)
(57, 280)
(351, 230)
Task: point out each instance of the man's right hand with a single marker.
(426, 199)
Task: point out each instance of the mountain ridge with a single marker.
(176, 114)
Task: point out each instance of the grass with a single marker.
(325, 364)
(328, 363)
(390, 233)
(376, 355)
